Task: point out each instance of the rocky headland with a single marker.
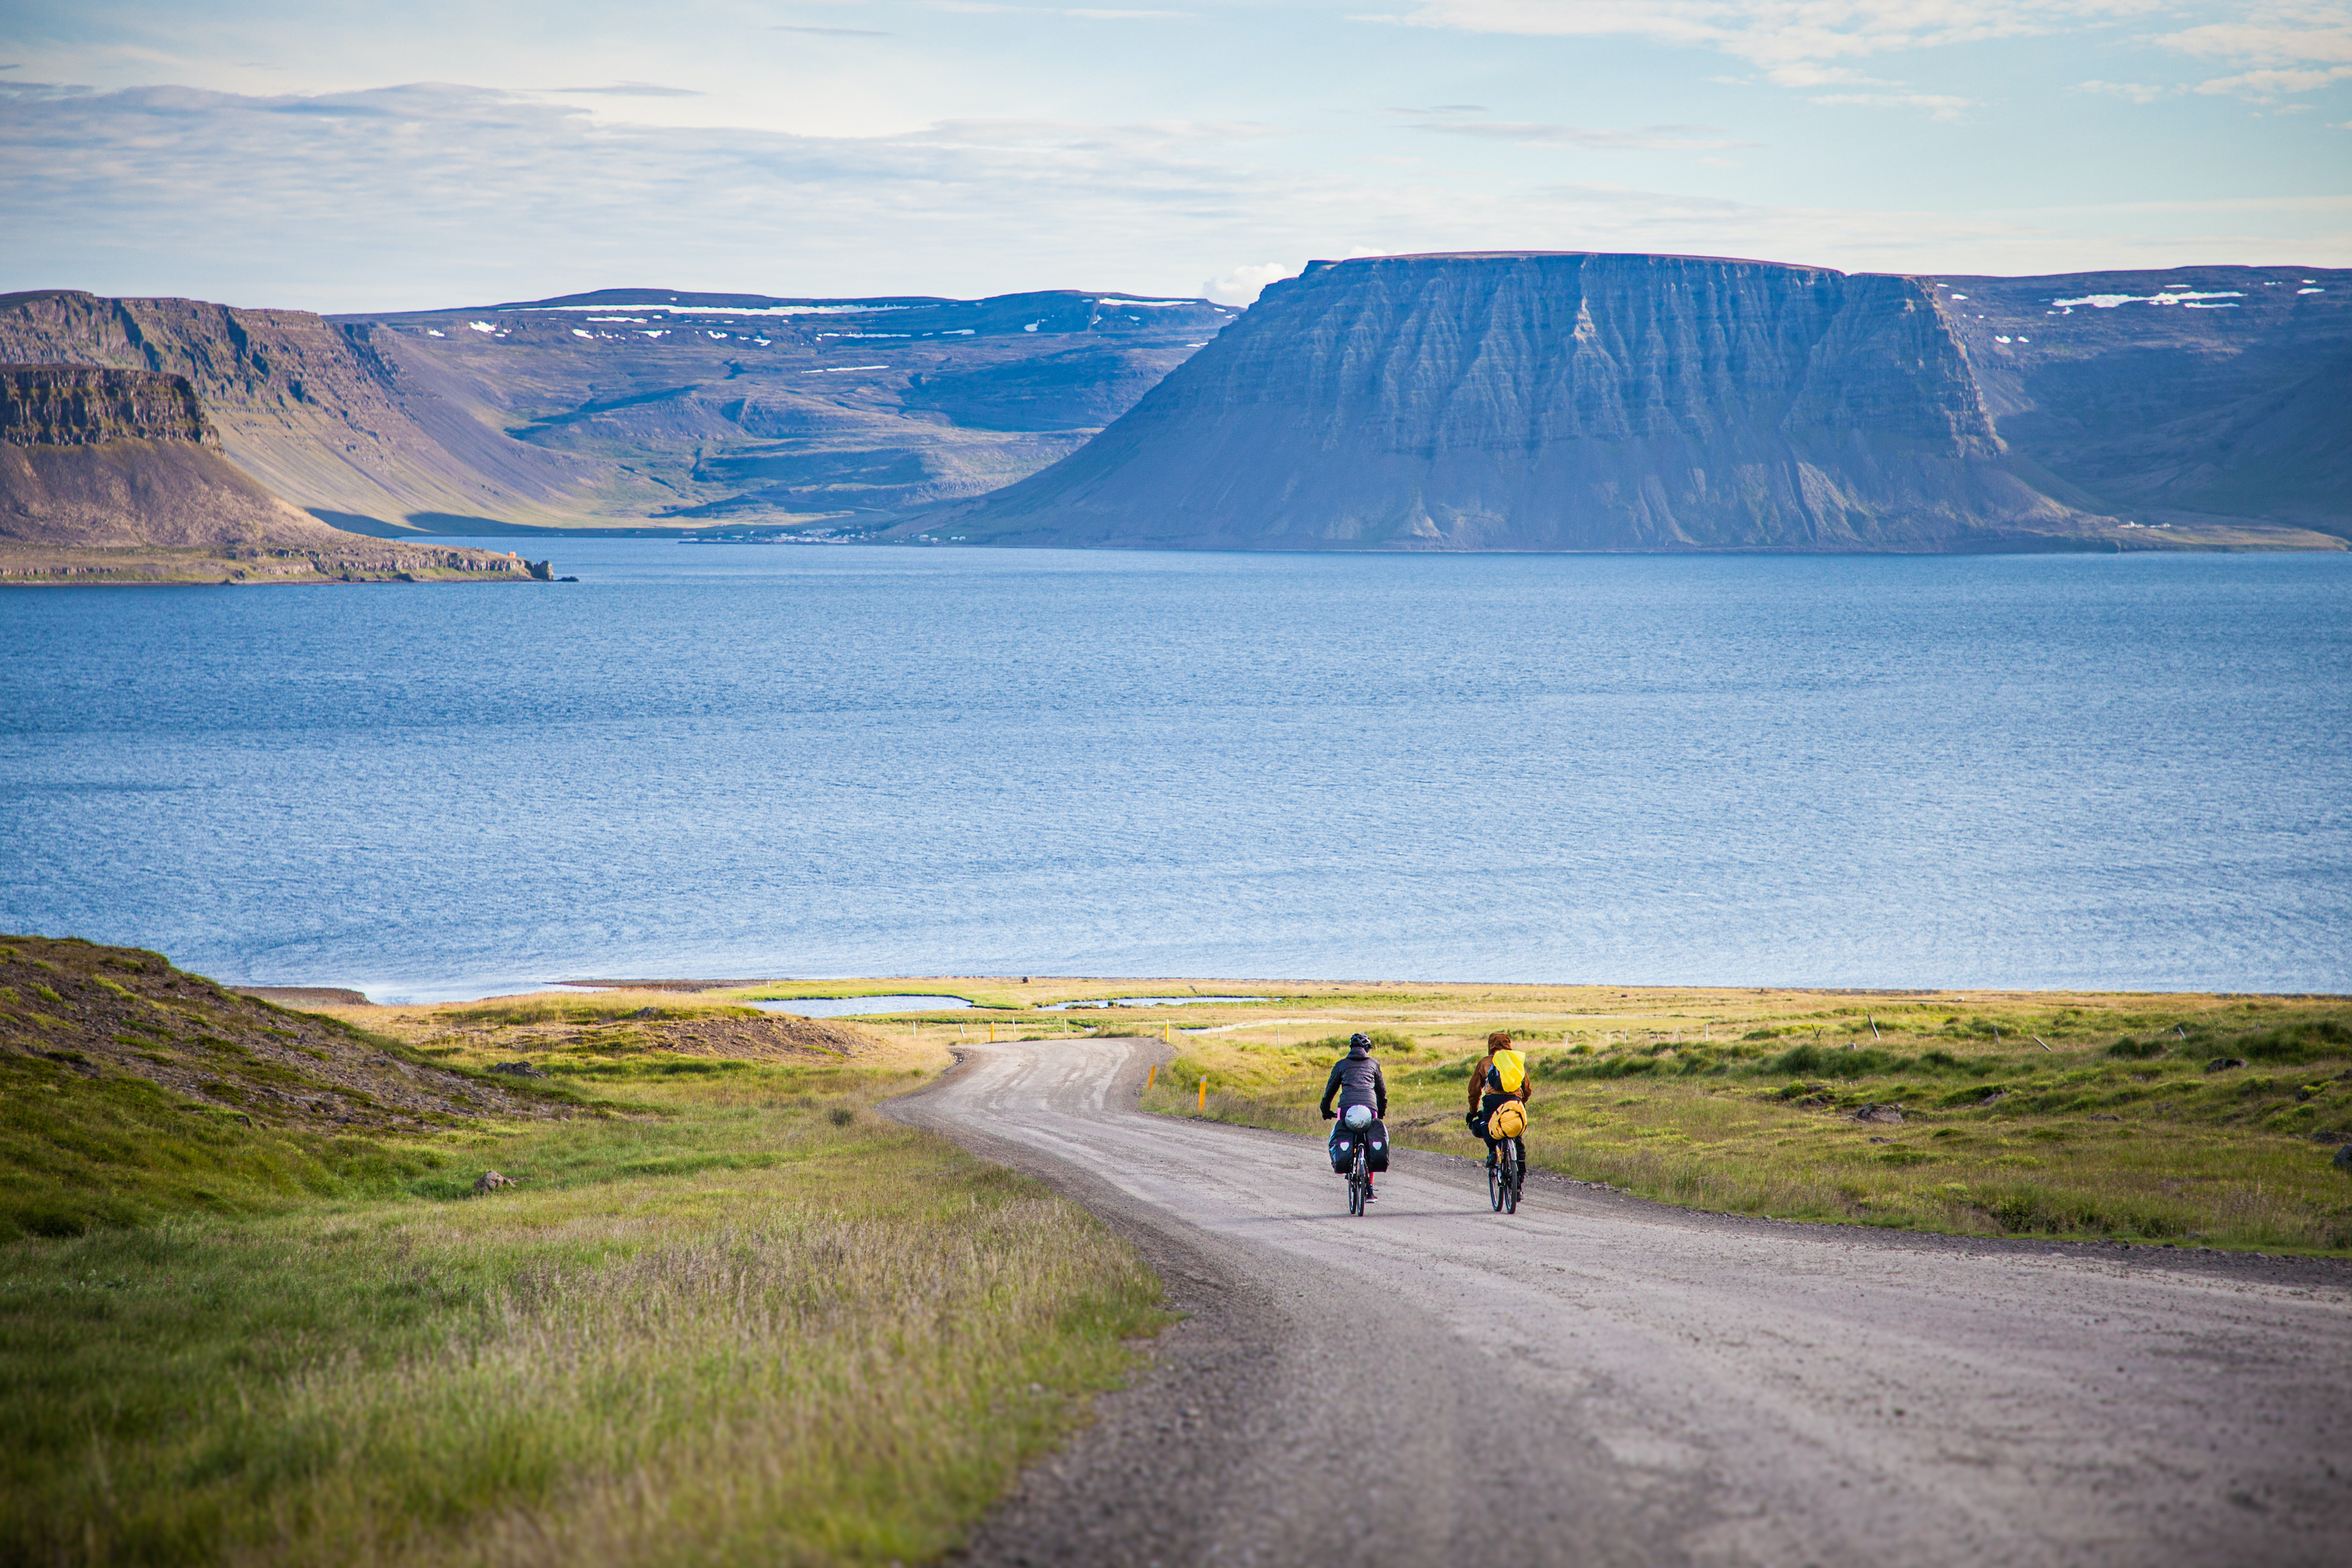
(1574, 402)
(116, 476)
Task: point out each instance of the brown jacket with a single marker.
(1478, 1081)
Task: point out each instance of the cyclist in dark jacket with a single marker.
(1356, 1081)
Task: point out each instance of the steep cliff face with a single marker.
(79, 405)
(110, 458)
(1552, 401)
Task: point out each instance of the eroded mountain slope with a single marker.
(2190, 396)
(631, 406)
(755, 410)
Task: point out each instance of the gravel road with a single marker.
(1600, 1380)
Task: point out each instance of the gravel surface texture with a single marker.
(1604, 1380)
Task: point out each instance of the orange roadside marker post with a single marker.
(1153, 1076)
(1205, 1096)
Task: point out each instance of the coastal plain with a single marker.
(288, 1268)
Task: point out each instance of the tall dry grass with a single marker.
(842, 1357)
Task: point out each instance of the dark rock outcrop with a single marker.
(82, 405)
(1553, 402)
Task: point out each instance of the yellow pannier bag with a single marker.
(1510, 1073)
(1508, 1121)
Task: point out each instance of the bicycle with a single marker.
(1360, 1178)
(1506, 1177)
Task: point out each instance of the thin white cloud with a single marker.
(835, 32)
(1243, 285)
(2133, 91)
(1773, 34)
(1939, 106)
(1091, 14)
(2267, 85)
(634, 90)
(1646, 138)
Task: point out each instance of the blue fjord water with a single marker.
(745, 760)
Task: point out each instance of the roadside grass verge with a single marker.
(2220, 1133)
(729, 1315)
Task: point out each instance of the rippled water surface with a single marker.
(2119, 772)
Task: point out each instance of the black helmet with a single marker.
(1359, 1043)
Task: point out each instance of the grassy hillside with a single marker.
(724, 1314)
(2206, 1120)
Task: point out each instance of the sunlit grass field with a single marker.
(727, 1314)
(2209, 1121)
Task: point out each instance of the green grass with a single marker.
(2147, 1135)
(735, 1318)
(80, 1152)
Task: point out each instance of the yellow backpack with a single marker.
(1509, 1120)
(1510, 1073)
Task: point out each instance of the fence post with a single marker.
(1205, 1096)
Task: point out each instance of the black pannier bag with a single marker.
(1343, 1146)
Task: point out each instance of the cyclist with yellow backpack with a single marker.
(1499, 1104)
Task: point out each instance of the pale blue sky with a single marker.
(346, 156)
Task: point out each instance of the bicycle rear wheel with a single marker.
(1510, 1181)
(1356, 1184)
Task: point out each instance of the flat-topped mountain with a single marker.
(1538, 400)
(116, 476)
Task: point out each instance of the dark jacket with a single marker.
(1356, 1080)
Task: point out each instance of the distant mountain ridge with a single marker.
(1574, 400)
(1489, 401)
(629, 405)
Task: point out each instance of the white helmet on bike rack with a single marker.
(1359, 1116)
